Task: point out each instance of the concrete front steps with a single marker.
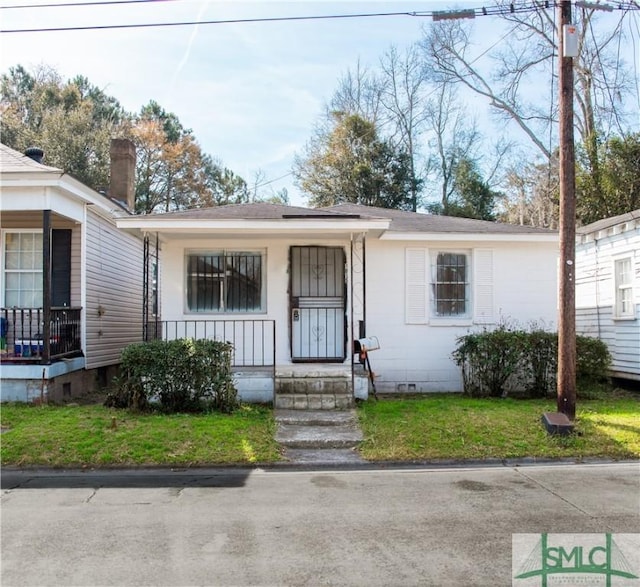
(321, 387)
(319, 437)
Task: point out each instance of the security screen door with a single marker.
(317, 304)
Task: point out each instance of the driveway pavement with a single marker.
(438, 526)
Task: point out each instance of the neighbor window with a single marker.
(23, 269)
(450, 284)
(624, 291)
(226, 281)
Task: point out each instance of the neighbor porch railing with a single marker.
(22, 334)
(254, 341)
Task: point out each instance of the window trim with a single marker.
(224, 251)
(3, 269)
(617, 287)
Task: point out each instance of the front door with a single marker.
(317, 304)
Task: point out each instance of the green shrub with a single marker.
(488, 360)
(182, 375)
(539, 363)
(525, 361)
(593, 360)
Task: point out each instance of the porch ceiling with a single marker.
(32, 219)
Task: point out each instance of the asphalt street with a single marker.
(401, 526)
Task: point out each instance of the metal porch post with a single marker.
(46, 287)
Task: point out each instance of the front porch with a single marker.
(260, 379)
(39, 335)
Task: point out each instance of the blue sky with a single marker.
(251, 92)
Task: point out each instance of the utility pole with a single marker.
(567, 293)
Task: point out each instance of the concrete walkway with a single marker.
(322, 437)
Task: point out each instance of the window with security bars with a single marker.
(23, 269)
(229, 281)
(624, 307)
(451, 284)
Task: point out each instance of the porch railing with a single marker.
(254, 341)
(22, 339)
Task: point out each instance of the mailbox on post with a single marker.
(362, 347)
(365, 345)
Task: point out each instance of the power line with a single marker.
(78, 4)
(205, 22)
(436, 15)
(260, 185)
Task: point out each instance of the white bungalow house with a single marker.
(293, 288)
(608, 289)
(71, 283)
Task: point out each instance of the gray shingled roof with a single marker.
(254, 211)
(402, 221)
(14, 162)
(609, 222)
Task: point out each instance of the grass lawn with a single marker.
(76, 436)
(431, 427)
(457, 427)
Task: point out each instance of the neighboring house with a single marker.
(608, 289)
(71, 283)
(292, 288)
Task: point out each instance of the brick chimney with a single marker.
(123, 166)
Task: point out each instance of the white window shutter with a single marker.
(416, 286)
(483, 286)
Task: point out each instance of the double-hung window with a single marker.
(450, 284)
(22, 265)
(623, 270)
(225, 281)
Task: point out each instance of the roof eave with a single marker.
(277, 226)
(470, 236)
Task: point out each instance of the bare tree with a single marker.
(454, 138)
(536, 191)
(513, 88)
(601, 80)
(359, 92)
(531, 44)
(403, 86)
(448, 48)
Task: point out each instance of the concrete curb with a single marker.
(371, 465)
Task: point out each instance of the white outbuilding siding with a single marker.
(607, 261)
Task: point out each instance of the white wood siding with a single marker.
(595, 298)
(114, 291)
